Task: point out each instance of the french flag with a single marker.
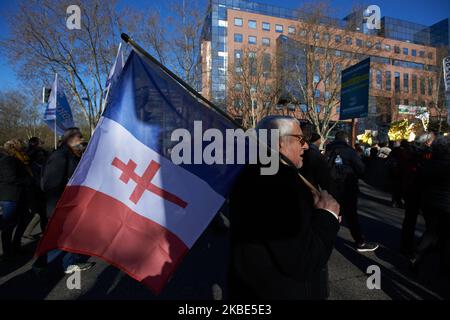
(127, 203)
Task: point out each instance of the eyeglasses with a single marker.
(300, 138)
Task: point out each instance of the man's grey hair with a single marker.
(283, 123)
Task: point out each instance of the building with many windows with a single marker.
(404, 55)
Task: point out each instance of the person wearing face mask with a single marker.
(58, 170)
(282, 234)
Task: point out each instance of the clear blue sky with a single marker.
(425, 12)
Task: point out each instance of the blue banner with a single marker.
(355, 86)
(58, 115)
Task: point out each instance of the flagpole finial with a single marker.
(125, 37)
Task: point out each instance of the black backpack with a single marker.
(339, 172)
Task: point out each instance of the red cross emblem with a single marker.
(144, 183)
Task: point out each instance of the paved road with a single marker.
(202, 274)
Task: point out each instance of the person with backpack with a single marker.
(346, 168)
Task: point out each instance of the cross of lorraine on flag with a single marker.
(127, 203)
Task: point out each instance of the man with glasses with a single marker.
(282, 232)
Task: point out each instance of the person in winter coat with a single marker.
(349, 166)
(58, 170)
(13, 185)
(281, 234)
(434, 180)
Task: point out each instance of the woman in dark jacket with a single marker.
(13, 182)
(435, 182)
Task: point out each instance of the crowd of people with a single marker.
(31, 182)
(418, 175)
(283, 230)
(283, 227)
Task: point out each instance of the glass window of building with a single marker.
(414, 52)
(326, 36)
(327, 95)
(303, 33)
(238, 22)
(379, 79)
(252, 24)
(397, 81)
(318, 107)
(406, 82)
(238, 87)
(316, 77)
(337, 53)
(252, 66)
(422, 54)
(317, 36)
(387, 47)
(396, 49)
(278, 28)
(348, 41)
(267, 63)
(238, 37)
(422, 86)
(337, 39)
(317, 93)
(291, 30)
(266, 26)
(359, 42)
(319, 50)
(430, 86)
(378, 45)
(237, 54)
(405, 51)
(238, 103)
(388, 81)
(251, 39)
(221, 46)
(369, 44)
(430, 55)
(222, 13)
(266, 42)
(414, 84)
(338, 72)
